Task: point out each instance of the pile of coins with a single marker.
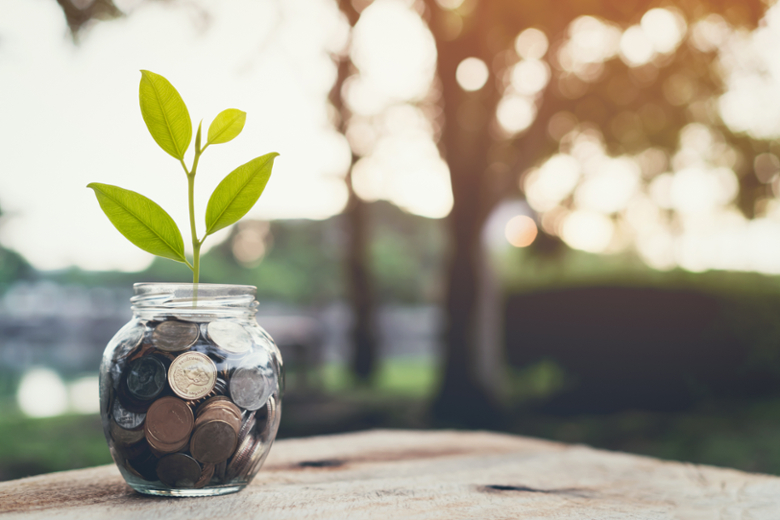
(191, 404)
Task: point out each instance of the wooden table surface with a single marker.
(423, 475)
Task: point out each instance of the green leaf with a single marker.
(238, 192)
(226, 126)
(142, 221)
(165, 114)
(197, 138)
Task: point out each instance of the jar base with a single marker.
(203, 492)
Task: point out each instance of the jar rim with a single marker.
(142, 285)
(188, 298)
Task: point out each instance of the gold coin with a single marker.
(192, 375)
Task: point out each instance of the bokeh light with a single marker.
(84, 395)
(531, 44)
(521, 231)
(472, 74)
(515, 113)
(42, 393)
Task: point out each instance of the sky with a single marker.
(70, 115)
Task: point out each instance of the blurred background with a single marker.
(558, 219)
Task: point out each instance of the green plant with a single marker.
(145, 223)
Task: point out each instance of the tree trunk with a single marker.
(360, 289)
(466, 141)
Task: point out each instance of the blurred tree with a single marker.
(360, 287)
(490, 135)
(485, 158)
(79, 12)
(13, 266)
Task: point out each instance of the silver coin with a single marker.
(230, 336)
(130, 340)
(241, 458)
(125, 418)
(272, 420)
(250, 388)
(174, 336)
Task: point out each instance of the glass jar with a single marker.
(190, 390)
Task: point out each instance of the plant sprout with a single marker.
(142, 221)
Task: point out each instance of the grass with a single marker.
(412, 377)
(737, 434)
(31, 446)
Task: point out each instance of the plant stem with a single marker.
(195, 242)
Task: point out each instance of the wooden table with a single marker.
(395, 475)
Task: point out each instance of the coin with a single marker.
(219, 471)
(272, 420)
(122, 436)
(209, 402)
(146, 378)
(230, 336)
(192, 375)
(161, 449)
(178, 470)
(213, 442)
(169, 422)
(250, 388)
(130, 340)
(174, 336)
(125, 418)
(142, 464)
(205, 476)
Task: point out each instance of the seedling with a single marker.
(142, 221)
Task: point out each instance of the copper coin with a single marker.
(213, 442)
(178, 470)
(230, 336)
(210, 402)
(224, 407)
(205, 476)
(218, 415)
(222, 403)
(142, 464)
(175, 336)
(250, 388)
(168, 421)
(122, 436)
(161, 448)
(192, 375)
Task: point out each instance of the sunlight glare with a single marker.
(530, 76)
(548, 185)
(515, 113)
(472, 74)
(636, 48)
(587, 231)
(531, 44)
(664, 28)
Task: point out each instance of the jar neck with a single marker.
(188, 300)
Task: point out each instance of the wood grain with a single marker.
(423, 475)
